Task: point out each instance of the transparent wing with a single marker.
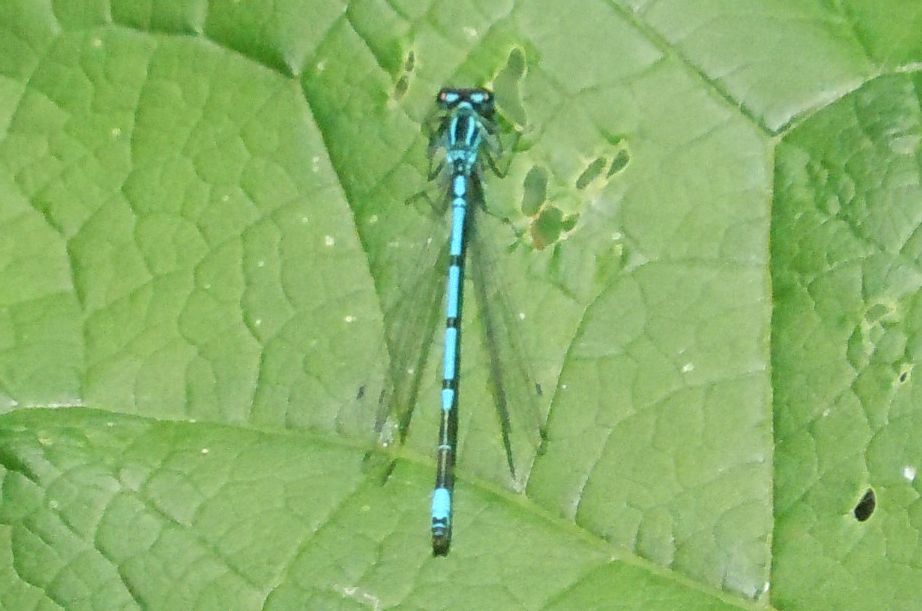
(410, 322)
(411, 286)
(516, 395)
(409, 263)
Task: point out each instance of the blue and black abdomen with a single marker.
(462, 138)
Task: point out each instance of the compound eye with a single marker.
(448, 97)
(483, 100)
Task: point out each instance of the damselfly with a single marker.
(463, 131)
(464, 138)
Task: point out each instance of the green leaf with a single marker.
(848, 313)
(707, 240)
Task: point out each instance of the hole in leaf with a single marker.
(515, 63)
(619, 162)
(401, 87)
(546, 229)
(590, 173)
(507, 86)
(866, 506)
(535, 191)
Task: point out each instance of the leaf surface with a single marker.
(707, 242)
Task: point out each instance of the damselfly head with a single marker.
(478, 99)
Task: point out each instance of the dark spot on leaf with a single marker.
(866, 506)
(401, 87)
(535, 191)
(410, 62)
(903, 376)
(619, 162)
(546, 229)
(361, 392)
(538, 389)
(592, 171)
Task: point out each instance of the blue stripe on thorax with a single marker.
(464, 136)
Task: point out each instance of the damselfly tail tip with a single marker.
(441, 541)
